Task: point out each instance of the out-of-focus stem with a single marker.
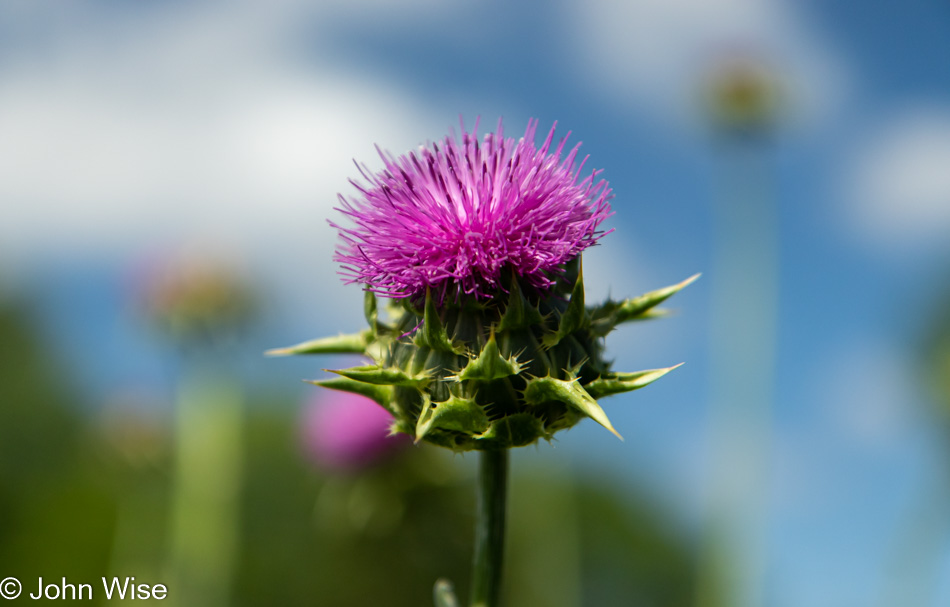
(205, 494)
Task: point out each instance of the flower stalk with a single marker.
(490, 515)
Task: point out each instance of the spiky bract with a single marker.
(492, 374)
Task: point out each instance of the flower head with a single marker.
(490, 343)
(455, 217)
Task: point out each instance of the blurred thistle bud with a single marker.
(195, 298)
(743, 97)
(477, 242)
(346, 432)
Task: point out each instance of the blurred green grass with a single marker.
(86, 493)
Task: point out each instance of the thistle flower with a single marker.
(454, 218)
(477, 242)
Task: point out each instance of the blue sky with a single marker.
(132, 131)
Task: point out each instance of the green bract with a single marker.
(490, 374)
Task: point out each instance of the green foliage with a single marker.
(87, 496)
(601, 545)
(371, 537)
(56, 511)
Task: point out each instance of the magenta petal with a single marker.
(453, 217)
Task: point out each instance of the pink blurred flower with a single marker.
(346, 432)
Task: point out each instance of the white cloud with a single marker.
(134, 130)
(190, 124)
(658, 53)
(127, 132)
(898, 185)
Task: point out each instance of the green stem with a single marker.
(490, 527)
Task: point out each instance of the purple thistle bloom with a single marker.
(487, 232)
(454, 218)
